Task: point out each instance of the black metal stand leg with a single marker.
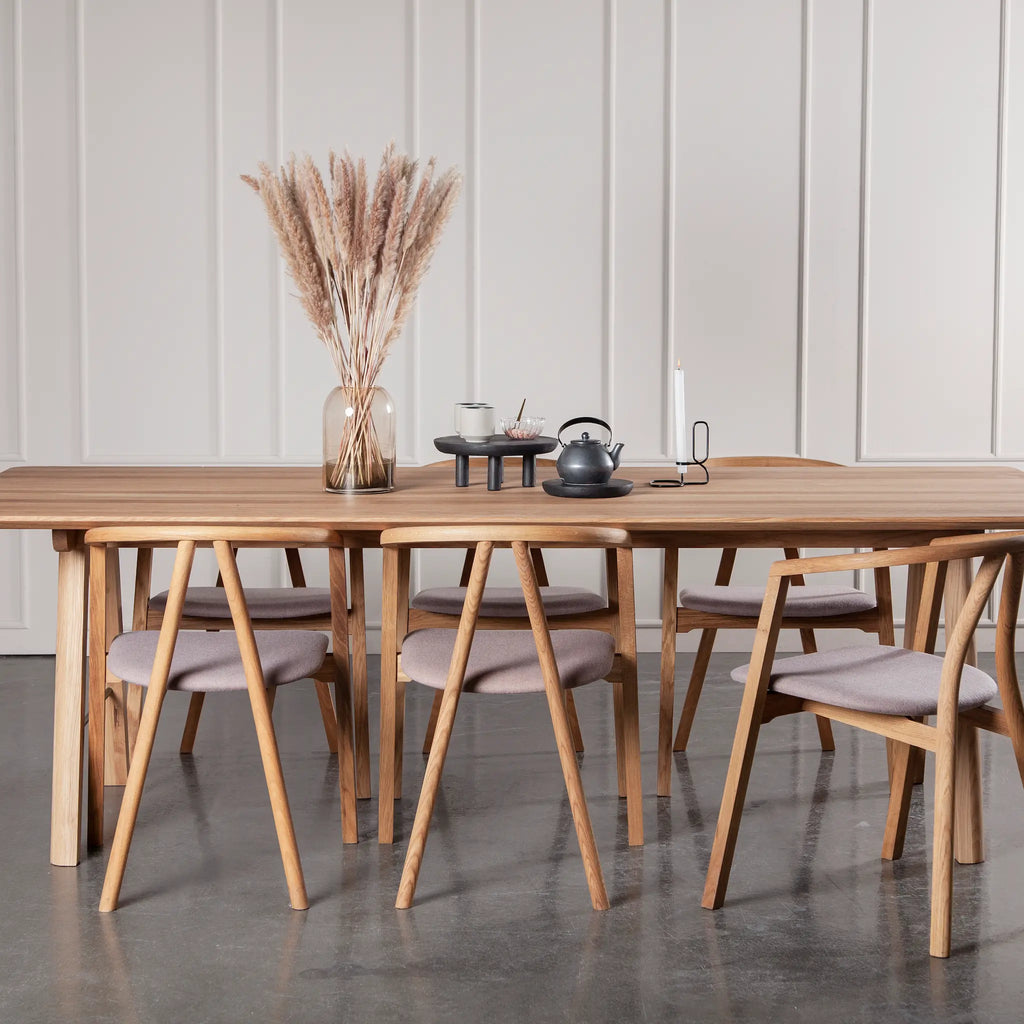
(461, 470)
(494, 472)
(529, 470)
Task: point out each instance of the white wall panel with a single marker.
(644, 181)
(1010, 436)
(246, 259)
(737, 203)
(542, 207)
(10, 302)
(344, 81)
(148, 183)
(930, 214)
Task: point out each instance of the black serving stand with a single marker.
(495, 448)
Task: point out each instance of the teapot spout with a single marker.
(616, 454)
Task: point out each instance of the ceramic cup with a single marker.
(474, 421)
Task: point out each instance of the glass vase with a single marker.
(359, 441)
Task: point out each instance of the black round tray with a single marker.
(617, 487)
(496, 447)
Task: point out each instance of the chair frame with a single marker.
(677, 619)
(397, 544)
(603, 618)
(145, 617)
(951, 738)
(223, 541)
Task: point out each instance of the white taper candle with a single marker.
(682, 448)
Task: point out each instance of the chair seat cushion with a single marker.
(211, 661)
(740, 599)
(505, 661)
(884, 680)
(263, 602)
(508, 602)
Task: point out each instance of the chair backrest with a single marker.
(224, 539)
(537, 536)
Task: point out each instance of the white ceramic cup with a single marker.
(474, 421)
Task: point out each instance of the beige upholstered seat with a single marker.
(508, 602)
(727, 606)
(507, 662)
(263, 602)
(811, 602)
(882, 680)
(209, 662)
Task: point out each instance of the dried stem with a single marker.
(357, 258)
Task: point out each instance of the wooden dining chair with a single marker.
(502, 660)
(504, 608)
(295, 607)
(890, 691)
(193, 661)
(726, 605)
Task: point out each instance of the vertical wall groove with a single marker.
(279, 311)
(218, 383)
(80, 174)
(803, 228)
(669, 240)
(475, 374)
(413, 132)
(608, 313)
(863, 242)
(1000, 247)
(18, 453)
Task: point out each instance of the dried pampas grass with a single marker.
(357, 255)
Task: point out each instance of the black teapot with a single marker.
(585, 459)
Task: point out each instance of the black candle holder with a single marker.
(682, 481)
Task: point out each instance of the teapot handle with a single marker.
(583, 419)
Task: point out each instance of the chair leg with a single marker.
(667, 690)
(130, 804)
(942, 853)
(327, 714)
(900, 789)
(360, 685)
(435, 710)
(428, 797)
(693, 691)
(271, 698)
(346, 755)
(278, 796)
(631, 760)
(399, 736)
(620, 743)
(574, 722)
(578, 804)
(188, 734)
(825, 737)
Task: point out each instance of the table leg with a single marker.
(69, 689)
(388, 699)
(666, 709)
(494, 472)
(968, 841)
(529, 470)
(461, 470)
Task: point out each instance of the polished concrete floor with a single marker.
(816, 927)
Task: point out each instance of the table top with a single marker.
(833, 503)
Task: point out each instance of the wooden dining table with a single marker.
(861, 506)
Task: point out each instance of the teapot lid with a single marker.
(585, 438)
